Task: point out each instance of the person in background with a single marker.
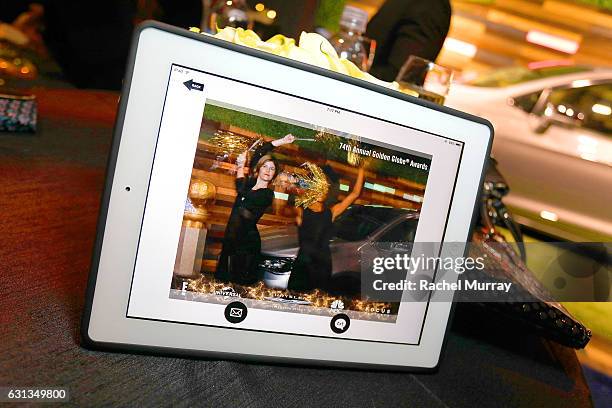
(89, 39)
(184, 13)
(313, 265)
(407, 27)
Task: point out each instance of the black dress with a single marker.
(241, 241)
(313, 266)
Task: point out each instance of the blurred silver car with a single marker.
(553, 142)
(360, 228)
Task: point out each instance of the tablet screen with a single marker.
(262, 206)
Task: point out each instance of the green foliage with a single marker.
(329, 13)
(602, 4)
(277, 129)
(264, 126)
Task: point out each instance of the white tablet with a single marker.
(202, 250)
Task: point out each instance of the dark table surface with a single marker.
(50, 187)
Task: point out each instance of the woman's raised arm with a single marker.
(351, 197)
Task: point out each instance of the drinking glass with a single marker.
(424, 79)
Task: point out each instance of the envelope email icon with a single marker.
(235, 312)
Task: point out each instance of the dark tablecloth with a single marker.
(50, 187)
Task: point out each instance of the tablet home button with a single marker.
(235, 312)
(340, 323)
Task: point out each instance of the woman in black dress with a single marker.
(313, 266)
(241, 242)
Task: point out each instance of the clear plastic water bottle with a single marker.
(350, 42)
(230, 13)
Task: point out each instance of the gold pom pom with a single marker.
(227, 142)
(317, 186)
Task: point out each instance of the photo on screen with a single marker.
(277, 212)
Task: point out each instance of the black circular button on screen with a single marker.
(340, 323)
(236, 312)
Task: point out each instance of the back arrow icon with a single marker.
(194, 85)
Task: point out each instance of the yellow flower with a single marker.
(313, 49)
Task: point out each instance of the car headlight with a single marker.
(276, 265)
